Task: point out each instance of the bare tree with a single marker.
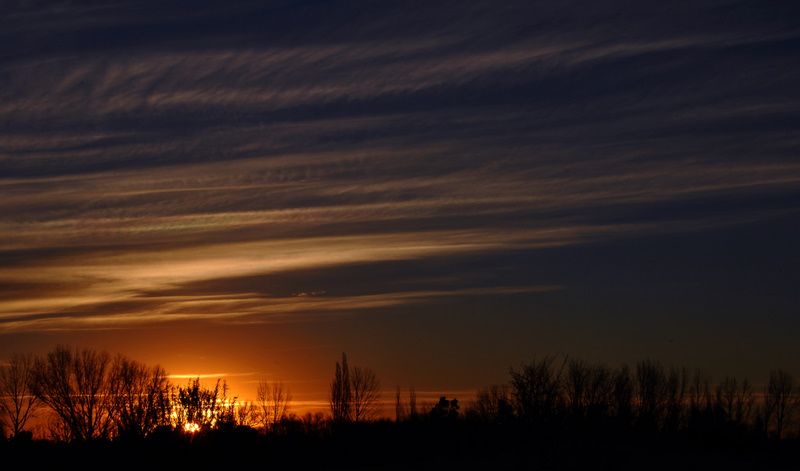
(492, 404)
(576, 383)
(341, 391)
(247, 414)
(588, 388)
(273, 401)
(354, 393)
(600, 392)
(779, 402)
(622, 393)
(537, 388)
(140, 397)
(75, 385)
(675, 388)
(700, 393)
(57, 429)
(651, 392)
(366, 390)
(17, 402)
(735, 399)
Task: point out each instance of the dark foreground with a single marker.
(386, 445)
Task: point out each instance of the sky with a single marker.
(441, 189)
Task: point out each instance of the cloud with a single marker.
(239, 309)
(282, 140)
(137, 287)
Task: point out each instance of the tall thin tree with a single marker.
(341, 392)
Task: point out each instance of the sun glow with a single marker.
(191, 427)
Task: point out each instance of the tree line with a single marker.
(552, 391)
(86, 395)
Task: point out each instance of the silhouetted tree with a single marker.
(576, 383)
(57, 429)
(675, 388)
(445, 409)
(366, 390)
(75, 385)
(248, 415)
(341, 392)
(623, 393)
(537, 389)
(651, 392)
(353, 393)
(700, 401)
(588, 389)
(563, 406)
(492, 404)
(140, 397)
(779, 402)
(17, 402)
(273, 401)
(735, 399)
(195, 405)
(600, 391)
(225, 411)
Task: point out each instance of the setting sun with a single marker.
(191, 427)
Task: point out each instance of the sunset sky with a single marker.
(442, 189)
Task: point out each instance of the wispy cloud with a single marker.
(239, 309)
(132, 169)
